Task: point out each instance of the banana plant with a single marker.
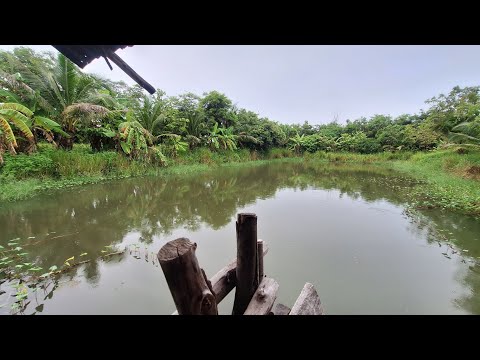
(175, 143)
(17, 118)
(134, 138)
(222, 138)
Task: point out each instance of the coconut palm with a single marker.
(466, 132)
(57, 89)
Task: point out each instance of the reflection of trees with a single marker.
(99, 215)
(88, 219)
(464, 233)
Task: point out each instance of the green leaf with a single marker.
(67, 263)
(12, 243)
(52, 268)
(19, 266)
(1, 247)
(18, 248)
(70, 258)
(17, 108)
(108, 133)
(18, 119)
(125, 147)
(45, 275)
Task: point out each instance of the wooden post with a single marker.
(247, 266)
(263, 299)
(260, 260)
(281, 309)
(308, 303)
(191, 290)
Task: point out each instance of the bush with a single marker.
(24, 166)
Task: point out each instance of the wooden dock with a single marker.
(255, 293)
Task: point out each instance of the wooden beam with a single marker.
(308, 303)
(191, 290)
(247, 267)
(225, 280)
(263, 299)
(281, 309)
(130, 72)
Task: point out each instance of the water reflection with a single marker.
(68, 223)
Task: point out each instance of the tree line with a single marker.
(45, 97)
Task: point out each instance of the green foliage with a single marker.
(24, 167)
(218, 109)
(222, 138)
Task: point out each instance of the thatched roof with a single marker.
(83, 55)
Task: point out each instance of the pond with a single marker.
(346, 229)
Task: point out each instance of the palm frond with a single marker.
(66, 73)
(457, 137)
(19, 120)
(85, 111)
(17, 107)
(7, 132)
(48, 124)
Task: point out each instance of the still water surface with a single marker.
(344, 229)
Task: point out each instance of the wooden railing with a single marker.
(255, 294)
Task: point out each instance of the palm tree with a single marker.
(466, 132)
(58, 88)
(152, 114)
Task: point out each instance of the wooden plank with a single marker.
(281, 309)
(225, 280)
(247, 267)
(190, 288)
(263, 298)
(308, 303)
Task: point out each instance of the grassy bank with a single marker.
(450, 178)
(23, 176)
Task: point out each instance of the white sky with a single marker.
(294, 83)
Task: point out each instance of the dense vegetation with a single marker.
(100, 129)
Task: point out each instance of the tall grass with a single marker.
(450, 177)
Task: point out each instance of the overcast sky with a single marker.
(291, 84)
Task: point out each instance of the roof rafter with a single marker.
(82, 55)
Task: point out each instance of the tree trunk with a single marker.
(65, 143)
(190, 288)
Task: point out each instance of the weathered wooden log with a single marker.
(281, 309)
(247, 266)
(308, 303)
(191, 290)
(263, 299)
(260, 260)
(225, 280)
